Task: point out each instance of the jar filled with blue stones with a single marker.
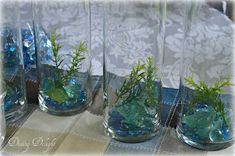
(206, 112)
(133, 118)
(13, 82)
(206, 123)
(132, 67)
(63, 57)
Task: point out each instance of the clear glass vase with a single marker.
(63, 44)
(12, 72)
(2, 122)
(2, 109)
(132, 65)
(206, 118)
(27, 33)
(29, 52)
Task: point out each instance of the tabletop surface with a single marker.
(42, 133)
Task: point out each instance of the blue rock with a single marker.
(10, 50)
(47, 84)
(28, 49)
(12, 97)
(73, 90)
(134, 112)
(132, 118)
(226, 133)
(205, 124)
(215, 135)
(63, 98)
(201, 118)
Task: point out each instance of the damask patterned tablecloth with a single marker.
(42, 133)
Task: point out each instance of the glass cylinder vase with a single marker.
(12, 72)
(27, 33)
(206, 118)
(29, 52)
(2, 121)
(132, 64)
(63, 43)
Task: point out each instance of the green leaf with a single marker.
(58, 94)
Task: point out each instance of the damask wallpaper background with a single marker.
(211, 39)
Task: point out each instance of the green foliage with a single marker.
(76, 56)
(209, 95)
(58, 59)
(150, 78)
(133, 80)
(132, 85)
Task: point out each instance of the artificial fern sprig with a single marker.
(221, 84)
(57, 58)
(77, 57)
(209, 95)
(131, 86)
(133, 80)
(151, 77)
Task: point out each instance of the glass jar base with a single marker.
(132, 139)
(203, 146)
(61, 112)
(16, 114)
(2, 138)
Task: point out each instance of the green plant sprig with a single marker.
(131, 86)
(77, 57)
(209, 94)
(151, 77)
(133, 80)
(58, 59)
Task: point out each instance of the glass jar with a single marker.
(29, 52)
(12, 72)
(26, 25)
(132, 65)
(2, 122)
(63, 59)
(206, 118)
